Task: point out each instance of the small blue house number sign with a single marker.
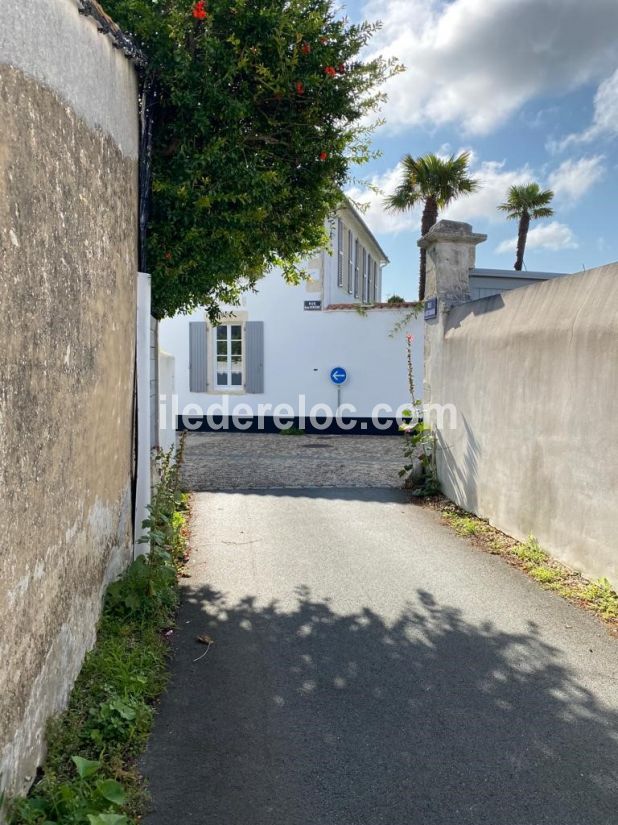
(431, 308)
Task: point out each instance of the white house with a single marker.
(268, 364)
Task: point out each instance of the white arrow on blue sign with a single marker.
(338, 375)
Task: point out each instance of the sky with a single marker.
(530, 88)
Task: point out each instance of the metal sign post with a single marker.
(338, 375)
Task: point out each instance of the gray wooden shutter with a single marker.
(198, 365)
(254, 357)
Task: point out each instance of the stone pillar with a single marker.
(451, 253)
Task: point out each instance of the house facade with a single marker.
(325, 355)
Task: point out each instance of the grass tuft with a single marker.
(598, 597)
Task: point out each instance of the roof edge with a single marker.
(347, 203)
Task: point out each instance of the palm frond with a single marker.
(443, 179)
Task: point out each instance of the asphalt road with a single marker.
(371, 667)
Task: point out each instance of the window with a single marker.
(369, 278)
(339, 252)
(356, 267)
(350, 261)
(375, 280)
(229, 356)
(365, 275)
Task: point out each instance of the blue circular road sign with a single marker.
(338, 375)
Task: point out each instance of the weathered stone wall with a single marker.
(533, 377)
(68, 263)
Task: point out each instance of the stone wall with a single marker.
(532, 375)
(68, 263)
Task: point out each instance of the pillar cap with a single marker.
(453, 232)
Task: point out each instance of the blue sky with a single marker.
(530, 87)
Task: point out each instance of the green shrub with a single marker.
(262, 108)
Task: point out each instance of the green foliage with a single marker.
(465, 525)
(419, 445)
(531, 551)
(419, 442)
(395, 299)
(545, 575)
(259, 114)
(603, 598)
(89, 776)
(292, 431)
(528, 199)
(82, 798)
(430, 176)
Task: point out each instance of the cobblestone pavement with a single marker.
(232, 461)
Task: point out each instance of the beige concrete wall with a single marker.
(68, 262)
(533, 375)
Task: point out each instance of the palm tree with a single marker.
(526, 203)
(435, 182)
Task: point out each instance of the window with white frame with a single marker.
(376, 275)
(339, 252)
(357, 253)
(369, 278)
(229, 356)
(350, 261)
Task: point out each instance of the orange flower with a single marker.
(330, 71)
(300, 88)
(199, 12)
(305, 47)
(323, 155)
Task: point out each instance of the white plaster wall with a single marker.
(167, 381)
(53, 43)
(533, 374)
(143, 364)
(301, 348)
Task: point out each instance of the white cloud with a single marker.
(553, 236)
(375, 214)
(605, 118)
(573, 178)
(494, 180)
(475, 62)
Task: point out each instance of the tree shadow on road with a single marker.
(305, 716)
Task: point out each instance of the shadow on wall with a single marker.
(480, 306)
(459, 480)
(427, 720)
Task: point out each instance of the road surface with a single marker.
(371, 667)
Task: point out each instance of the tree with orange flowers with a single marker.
(260, 112)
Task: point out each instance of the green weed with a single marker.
(603, 598)
(89, 776)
